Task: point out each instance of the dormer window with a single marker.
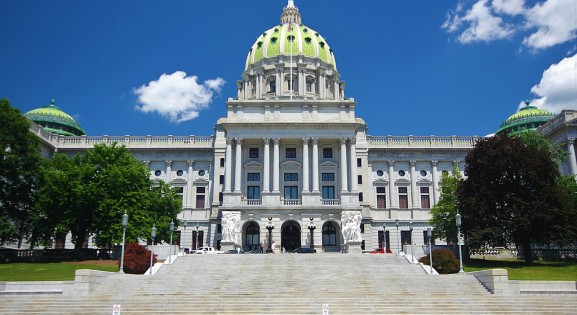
(307, 40)
(273, 40)
(291, 38)
(322, 45)
(259, 44)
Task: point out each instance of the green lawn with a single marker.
(46, 271)
(518, 270)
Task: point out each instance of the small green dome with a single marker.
(526, 118)
(54, 120)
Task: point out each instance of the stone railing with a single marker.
(131, 142)
(331, 202)
(291, 202)
(251, 202)
(421, 142)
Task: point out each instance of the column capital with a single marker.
(570, 140)
(315, 140)
(434, 162)
(305, 140)
(353, 140)
(391, 163)
(147, 163)
(276, 141)
(413, 163)
(229, 140)
(190, 163)
(168, 163)
(238, 140)
(266, 140)
(456, 163)
(343, 141)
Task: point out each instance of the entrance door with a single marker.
(291, 237)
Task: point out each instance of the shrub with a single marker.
(136, 259)
(443, 261)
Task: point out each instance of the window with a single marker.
(272, 86)
(291, 153)
(252, 236)
(201, 172)
(360, 179)
(220, 198)
(406, 237)
(403, 198)
(253, 192)
(291, 84)
(328, 192)
(200, 196)
(253, 153)
(425, 200)
(291, 192)
(423, 173)
(380, 173)
(360, 196)
(426, 238)
(327, 153)
(329, 235)
(179, 173)
(253, 177)
(197, 239)
(328, 177)
(309, 86)
(157, 173)
(180, 191)
(291, 177)
(359, 162)
(401, 173)
(381, 198)
(362, 227)
(221, 162)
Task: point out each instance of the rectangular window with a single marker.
(360, 179)
(359, 162)
(253, 177)
(197, 240)
(403, 198)
(381, 198)
(291, 153)
(327, 153)
(328, 192)
(253, 153)
(291, 192)
(425, 200)
(253, 192)
(221, 179)
(273, 86)
(291, 177)
(221, 162)
(360, 196)
(362, 226)
(328, 177)
(309, 86)
(219, 228)
(220, 198)
(200, 191)
(426, 238)
(406, 237)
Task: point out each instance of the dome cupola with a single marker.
(54, 120)
(527, 118)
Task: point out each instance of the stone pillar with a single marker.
(238, 165)
(278, 82)
(354, 179)
(306, 188)
(245, 85)
(344, 170)
(336, 92)
(266, 170)
(414, 192)
(572, 160)
(168, 171)
(435, 183)
(315, 164)
(189, 183)
(392, 194)
(276, 166)
(228, 169)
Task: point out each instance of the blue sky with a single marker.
(414, 67)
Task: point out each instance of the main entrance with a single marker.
(290, 236)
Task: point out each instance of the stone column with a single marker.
(276, 166)
(228, 169)
(354, 179)
(245, 85)
(168, 171)
(344, 170)
(266, 170)
(392, 194)
(238, 165)
(315, 164)
(306, 188)
(435, 183)
(414, 192)
(189, 183)
(278, 82)
(572, 161)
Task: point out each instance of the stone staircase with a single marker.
(290, 284)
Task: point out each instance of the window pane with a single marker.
(291, 177)
(253, 153)
(380, 190)
(328, 177)
(381, 201)
(424, 190)
(425, 202)
(200, 190)
(253, 177)
(402, 190)
(291, 153)
(200, 201)
(290, 192)
(328, 153)
(403, 202)
(253, 192)
(328, 192)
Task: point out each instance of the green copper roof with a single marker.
(527, 118)
(54, 120)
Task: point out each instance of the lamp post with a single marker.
(152, 235)
(196, 246)
(312, 227)
(398, 238)
(124, 224)
(411, 238)
(458, 219)
(430, 235)
(185, 223)
(384, 237)
(269, 227)
(171, 230)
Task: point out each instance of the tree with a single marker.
(443, 213)
(510, 195)
(19, 159)
(87, 195)
(537, 140)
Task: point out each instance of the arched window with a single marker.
(329, 235)
(252, 236)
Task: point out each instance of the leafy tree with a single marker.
(88, 194)
(19, 159)
(537, 140)
(443, 213)
(510, 195)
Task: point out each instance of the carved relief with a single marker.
(231, 226)
(351, 226)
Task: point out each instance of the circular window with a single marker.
(201, 173)
(157, 172)
(401, 173)
(379, 173)
(423, 173)
(179, 172)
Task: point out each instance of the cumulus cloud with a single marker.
(547, 23)
(558, 87)
(176, 96)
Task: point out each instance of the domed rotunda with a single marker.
(526, 118)
(54, 120)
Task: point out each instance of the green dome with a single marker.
(527, 118)
(54, 120)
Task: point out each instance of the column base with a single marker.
(226, 245)
(354, 247)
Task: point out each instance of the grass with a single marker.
(518, 270)
(48, 271)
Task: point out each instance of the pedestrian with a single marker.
(261, 248)
(273, 247)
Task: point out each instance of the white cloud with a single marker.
(558, 87)
(546, 24)
(176, 96)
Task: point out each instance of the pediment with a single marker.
(200, 181)
(253, 164)
(403, 181)
(381, 181)
(424, 182)
(288, 164)
(178, 182)
(329, 164)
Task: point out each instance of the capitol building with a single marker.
(292, 157)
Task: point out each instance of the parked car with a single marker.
(305, 250)
(234, 251)
(207, 250)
